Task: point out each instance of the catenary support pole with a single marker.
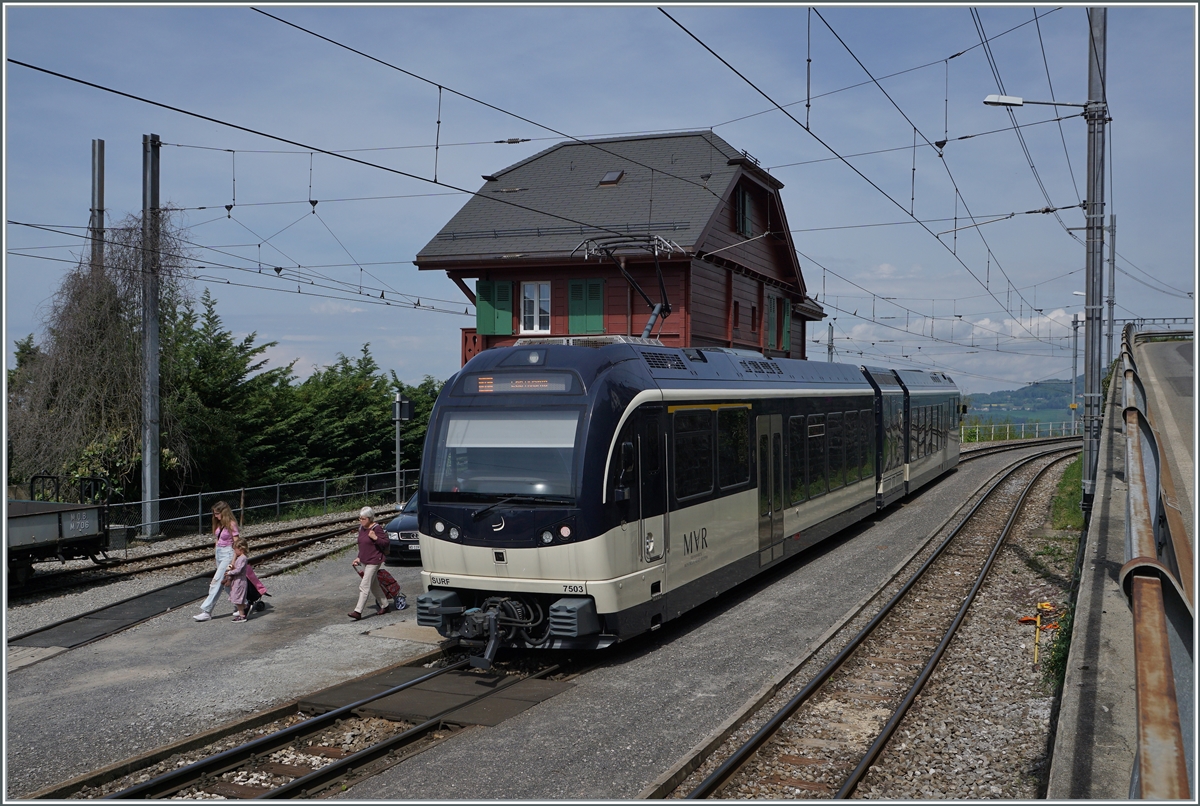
(1074, 371)
(96, 221)
(150, 392)
(1112, 282)
(1096, 114)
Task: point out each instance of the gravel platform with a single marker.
(170, 677)
(659, 696)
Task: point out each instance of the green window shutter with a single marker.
(485, 310)
(576, 306)
(504, 309)
(595, 306)
(787, 324)
(770, 323)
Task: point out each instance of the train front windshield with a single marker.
(495, 453)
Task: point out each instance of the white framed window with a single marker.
(535, 307)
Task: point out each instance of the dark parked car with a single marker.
(402, 534)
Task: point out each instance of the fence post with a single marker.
(276, 501)
(199, 515)
(324, 496)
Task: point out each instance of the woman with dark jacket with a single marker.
(372, 543)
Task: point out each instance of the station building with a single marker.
(586, 237)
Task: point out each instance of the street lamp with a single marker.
(1096, 114)
(1012, 100)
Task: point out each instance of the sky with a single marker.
(870, 214)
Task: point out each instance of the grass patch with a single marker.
(1066, 511)
(1055, 668)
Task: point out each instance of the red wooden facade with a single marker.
(735, 283)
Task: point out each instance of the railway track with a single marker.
(824, 739)
(1015, 445)
(266, 544)
(307, 757)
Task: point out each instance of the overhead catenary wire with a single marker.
(306, 146)
(440, 87)
(832, 150)
(945, 164)
(284, 274)
(1062, 135)
(881, 78)
(908, 147)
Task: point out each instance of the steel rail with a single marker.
(172, 781)
(1013, 445)
(318, 779)
(731, 765)
(910, 697)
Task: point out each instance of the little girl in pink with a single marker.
(235, 578)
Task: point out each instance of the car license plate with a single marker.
(414, 548)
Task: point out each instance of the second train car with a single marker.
(573, 497)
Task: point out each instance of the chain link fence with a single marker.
(192, 514)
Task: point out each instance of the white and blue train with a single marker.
(573, 497)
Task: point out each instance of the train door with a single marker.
(770, 487)
(652, 480)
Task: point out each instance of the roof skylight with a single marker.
(611, 178)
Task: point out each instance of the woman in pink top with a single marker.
(225, 529)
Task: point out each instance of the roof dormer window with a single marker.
(611, 178)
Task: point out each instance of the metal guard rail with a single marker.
(1158, 579)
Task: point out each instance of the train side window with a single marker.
(777, 479)
(618, 474)
(853, 447)
(914, 433)
(651, 459)
(816, 456)
(929, 438)
(936, 428)
(693, 453)
(836, 447)
(733, 447)
(866, 426)
(796, 438)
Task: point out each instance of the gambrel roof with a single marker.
(671, 185)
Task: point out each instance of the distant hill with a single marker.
(1047, 401)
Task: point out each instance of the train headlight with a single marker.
(547, 537)
(439, 527)
(565, 532)
(454, 533)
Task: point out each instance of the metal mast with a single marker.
(1096, 114)
(150, 395)
(96, 221)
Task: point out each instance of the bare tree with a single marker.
(74, 404)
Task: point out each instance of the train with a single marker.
(578, 495)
